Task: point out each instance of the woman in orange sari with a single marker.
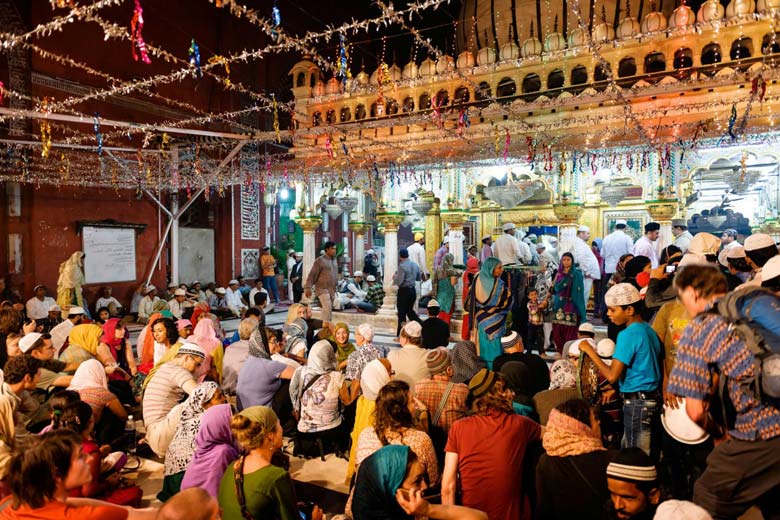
(472, 268)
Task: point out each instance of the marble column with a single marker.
(359, 253)
(309, 226)
(568, 215)
(390, 223)
(662, 211)
(455, 220)
(433, 233)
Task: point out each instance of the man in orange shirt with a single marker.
(268, 265)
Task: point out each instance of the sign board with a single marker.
(109, 254)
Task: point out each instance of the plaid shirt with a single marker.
(431, 391)
(707, 342)
(375, 294)
(358, 360)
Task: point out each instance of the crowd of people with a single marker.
(675, 414)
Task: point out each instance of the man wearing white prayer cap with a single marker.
(588, 263)
(759, 248)
(509, 249)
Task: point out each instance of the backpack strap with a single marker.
(442, 403)
(308, 385)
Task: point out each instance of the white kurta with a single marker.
(417, 255)
(583, 255)
(60, 333)
(615, 245)
(645, 247)
(37, 309)
(683, 241)
(507, 249)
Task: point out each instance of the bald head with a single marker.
(190, 504)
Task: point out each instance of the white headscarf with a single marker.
(322, 358)
(372, 380)
(90, 374)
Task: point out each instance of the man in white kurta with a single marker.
(682, 237)
(615, 245)
(728, 239)
(38, 306)
(61, 332)
(417, 255)
(233, 298)
(587, 261)
(507, 247)
(645, 246)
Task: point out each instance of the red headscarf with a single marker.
(147, 349)
(201, 309)
(109, 333)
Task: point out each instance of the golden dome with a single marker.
(710, 11)
(740, 8)
(466, 60)
(682, 17)
(410, 71)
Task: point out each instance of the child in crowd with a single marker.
(58, 403)
(535, 321)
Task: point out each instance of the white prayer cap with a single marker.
(180, 292)
(605, 348)
(193, 349)
(587, 327)
(371, 278)
(621, 222)
(171, 285)
(55, 308)
(680, 510)
(28, 341)
(508, 226)
(358, 273)
(150, 288)
(583, 229)
(220, 290)
(75, 311)
(233, 282)
(370, 252)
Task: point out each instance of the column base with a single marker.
(388, 304)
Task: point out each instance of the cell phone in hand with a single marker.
(305, 510)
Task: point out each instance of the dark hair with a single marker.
(59, 402)
(329, 244)
(636, 265)
(576, 409)
(260, 298)
(639, 308)
(762, 256)
(170, 329)
(20, 366)
(38, 464)
(533, 289)
(97, 316)
(76, 417)
(10, 321)
(706, 280)
(739, 264)
(266, 333)
(620, 226)
(670, 253)
(38, 344)
(493, 400)
(252, 311)
(392, 410)
(434, 311)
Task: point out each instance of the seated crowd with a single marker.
(634, 427)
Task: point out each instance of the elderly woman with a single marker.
(362, 356)
(317, 391)
(489, 303)
(182, 447)
(236, 354)
(446, 278)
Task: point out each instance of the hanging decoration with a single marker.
(45, 130)
(343, 71)
(136, 37)
(61, 4)
(276, 119)
(732, 120)
(98, 135)
(496, 140)
(194, 56)
(221, 60)
(217, 3)
(436, 103)
(64, 166)
(463, 121)
(2, 92)
(507, 142)
(276, 16)
(329, 146)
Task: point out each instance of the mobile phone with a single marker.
(305, 510)
(671, 268)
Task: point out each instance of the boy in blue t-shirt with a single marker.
(636, 367)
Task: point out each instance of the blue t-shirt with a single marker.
(258, 381)
(639, 349)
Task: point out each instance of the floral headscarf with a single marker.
(182, 447)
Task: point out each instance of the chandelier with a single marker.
(347, 203)
(510, 195)
(613, 195)
(741, 183)
(334, 211)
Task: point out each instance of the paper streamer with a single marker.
(136, 38)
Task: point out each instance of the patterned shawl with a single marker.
(565, 436)
(182, 447)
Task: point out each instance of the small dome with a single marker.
(445, 64)
(410, 71)
(554, 42)
(603, 32)
(576, 38)
(333, 86)
(395, 72)
(319, 88)
(531, 47)
(654, 21)
(427, 68)
(466, 60)
(362, 78)
(711, 11)
(764, 6)
(740, 8)
(629, 26)
(486, 56)
(510, 51)
(682, 17)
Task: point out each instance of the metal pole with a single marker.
(175, 220)
(232, 231)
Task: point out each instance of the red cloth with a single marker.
(122, 496)
(109, 333)
(472, 269)
(201, 309)
(56, 510)
(491, 473)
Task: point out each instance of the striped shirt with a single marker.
(707, 342)
(164, 391)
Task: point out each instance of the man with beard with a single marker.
(633, 485)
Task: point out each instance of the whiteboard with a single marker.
(109, 254)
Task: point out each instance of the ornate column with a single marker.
(455, 220)
(433, 232)
(309, 225)
(390, 223)
(359, 231)
(568, 215)
(662, 211)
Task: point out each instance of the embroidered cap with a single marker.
(510, 340)
(621, 294)
(482, 382)
(192, 349)
(438, 360)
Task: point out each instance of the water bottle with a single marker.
(130, 434)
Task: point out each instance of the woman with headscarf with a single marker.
(116, 339)
(563, 386)
(201, 309)
(182, 447)
(340, 341)
(317, 392)
(568, 302)
(91, 383)
(445, 279)
(84, 344)
(620, 271)
(574, 465)
(376, 374)
(253, 487)
(386, 482)
(518, 379)
(70, 281)
(145, 345)
(465, 361)
(295, 342)
(215, 448)
(263, 381)
(205, 336)
(472, 269)
(489, 302)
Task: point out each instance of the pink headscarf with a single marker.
(205, 336)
